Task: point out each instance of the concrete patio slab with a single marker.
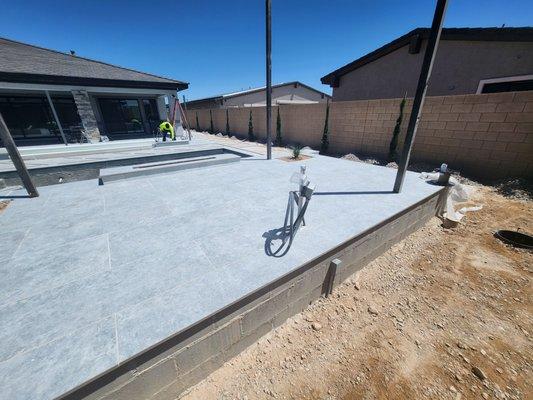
(95, 275)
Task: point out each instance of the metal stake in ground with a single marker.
(268, 79)
(418, 102)
(18, 162)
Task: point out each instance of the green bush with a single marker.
(393, 146)
(227, 122)
(278, 141)
(251, 136)
(296, 150)
(325, 135)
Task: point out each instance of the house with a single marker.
(468, 61)
(283, 93)
(47, 96)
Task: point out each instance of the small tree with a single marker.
(197, 123)
(325, 135)
(251, 136)
(393, 146)
(211, 127)
(227, 122)
(278, 141)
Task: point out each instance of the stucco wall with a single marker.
(486, 135)
(288, 92)
(459, 66)
(282, 93)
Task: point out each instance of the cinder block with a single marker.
(477, 126)
(204, 348)
(524, 128)
(519, 117)
(523, 96)
(493, 117)
(469, 117)
(484, 108)
(502, 127)
(448, 117)
(147, 383)
(263, 312)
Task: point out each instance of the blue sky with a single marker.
(218, 46)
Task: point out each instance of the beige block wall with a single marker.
(486, 135)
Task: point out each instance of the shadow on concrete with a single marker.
(15, 196)
(275, 238)
(352, 193)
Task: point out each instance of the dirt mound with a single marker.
(444, 314)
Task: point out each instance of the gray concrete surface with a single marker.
(94, 275)
(71, 166)
(161, 167)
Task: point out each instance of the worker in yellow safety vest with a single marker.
(166, 128)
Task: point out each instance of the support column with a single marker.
(268, 78)
(56, 118)
(418, 102)
(86, 113)
(15, 156)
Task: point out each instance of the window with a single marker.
(515, 86)
(122, 116)
(30, 119)
(507, 84)
(151, 113)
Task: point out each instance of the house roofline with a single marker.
(179, 85)
(17, 77)
(249, 91)
(521, 34)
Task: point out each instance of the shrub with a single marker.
(278, 141)
(296, 150)
(393, 146)
(251, 136)
(227, 122)
(325, 135)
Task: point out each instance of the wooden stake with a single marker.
(15, 156)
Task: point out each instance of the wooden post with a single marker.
(418, 102)
(18, 162)
(332, 273)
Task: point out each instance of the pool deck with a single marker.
(94, 275)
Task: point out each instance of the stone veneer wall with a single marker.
(86, 113)
(486, 135)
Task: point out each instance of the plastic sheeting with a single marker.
(457, 194)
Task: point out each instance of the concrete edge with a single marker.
(187, 357)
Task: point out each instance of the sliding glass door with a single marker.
(122, 117)
(30, 119)
(128, 118)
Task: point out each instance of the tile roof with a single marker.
(21, 62)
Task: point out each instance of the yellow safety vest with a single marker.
(167, 127)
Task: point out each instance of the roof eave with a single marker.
(475, 34)
(82, 81)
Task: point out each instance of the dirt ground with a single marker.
(445, 314)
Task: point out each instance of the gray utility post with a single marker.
(56, 118)
(268, 78)
(187, 118)
(425, 73)
(14, 154)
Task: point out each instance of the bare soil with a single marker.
(291, 159)
(3, 205)
(445, 314)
